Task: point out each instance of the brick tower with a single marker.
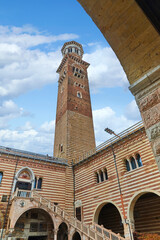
(74, 133)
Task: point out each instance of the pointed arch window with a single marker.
(24, 179)
(79, 94)
(133, 163)
(101, 175)
(1, 176)
(105, 174)
(35, 182)
(139, 161)
(127, 165)
(97, 177)
(39, 185)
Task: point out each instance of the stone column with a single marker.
(104, 177)
(128, 230)
(147, 94)
(55, 234)
(136, 161)
(128, 159)
(99, 176)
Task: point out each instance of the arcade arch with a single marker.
(144, 212)
(35, 224)
(76, 236)
(62, 233)
(109, 215)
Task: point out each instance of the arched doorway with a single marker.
(110, 218)
(76, 236)
(146, 213)
(34, 224)
(62, 232)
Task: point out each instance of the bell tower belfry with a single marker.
(74, 133)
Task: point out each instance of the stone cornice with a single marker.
(75, 58)
(72, 42)
(145, 81)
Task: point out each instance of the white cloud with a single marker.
(106, 117)
(22, 68)
(8, 111)
(41, 139)
(105, 70)
(9, 107)
(28, 70)
(29, 138)
(132, 111)
(48, 127)
(27, 36)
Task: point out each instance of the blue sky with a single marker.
(31, 36)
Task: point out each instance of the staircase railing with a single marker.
(105, 232)
(93, 232)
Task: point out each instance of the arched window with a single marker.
(133, 163)
(139, 161)
(127, 165)
(105, 174)
(35, 182)
(69, 49)
(101, 175)
(1, 176)
(24, 179)
(97, 177)
(76, 50)
(79, 94)
(39, 185)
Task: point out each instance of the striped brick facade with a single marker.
(57, 186)
(134, 183)
(53, 174)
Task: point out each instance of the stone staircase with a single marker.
(93, 232)
(33, 199)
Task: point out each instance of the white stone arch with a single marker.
(100, 206)
(133, 200)
(76, 230)
(15, 219)
(68, 230)
(19, 172)
(62, 221)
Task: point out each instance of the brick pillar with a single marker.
(147, 93)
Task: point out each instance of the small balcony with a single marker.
(20, 193)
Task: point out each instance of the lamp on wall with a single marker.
(108, 130)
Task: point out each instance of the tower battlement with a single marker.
(72, 47)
